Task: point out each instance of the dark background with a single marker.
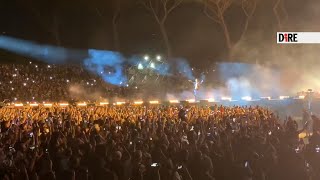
(88, 24)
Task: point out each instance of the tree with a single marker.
(216, 11)
(279, 11)
(161, 9)
(117, 6)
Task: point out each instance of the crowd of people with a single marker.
(40, 82)
(49, 82)
(154, 142)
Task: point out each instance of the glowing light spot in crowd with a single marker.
(15, 99)
(16, 69)
(32, 97)
(246, 98)
(24, 84)
(49, 66)
(283, 97)
(138, 102)
(68, 80)
(302, 135)
(63, 104)
(27, 79)
(30, 62)
(94, 80)
(14, 75)
(18, 105)
(127, 85)
(103, 103)
(152, 65)
(301, 97)
(91, 84)
(101, 72)
(34, 104)
(120, 103)
(146, 58)
(136, 87)
(121, 82)
(174, 101)
(87, 83)
(191, 100)
(210, 100)
(82, 104)
(158, 57)
(36, 66)
(154, 102)
(226, 98)
(10, 82)
(28, 102)
(140, 66)
(33, 81)
(12, 89)
(47, 105)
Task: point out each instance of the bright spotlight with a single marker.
(210, 100)
(47, 105)
(283, 97)
(64, 104)
(120, 103)
(154, 102)
(246, 98)
(18, 105)
(82, 104)
(140, 66)
(146, 58)
(104, 103)
(226, 98)
(152, 65)
(159, 58)
(174, 101)
(138, 102)
(191, 100)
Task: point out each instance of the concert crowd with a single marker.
(154, 142)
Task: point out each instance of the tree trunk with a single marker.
(226, 35)
(165, 39)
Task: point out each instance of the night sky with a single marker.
(88, 24)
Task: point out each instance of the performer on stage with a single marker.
(196, 85)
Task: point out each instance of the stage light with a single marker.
(191, 100)
(226, 98)
(104, 103)
(82, 104)
(15, 99)
(34, 104)
(268, 97)
(18, 105)
(246, 98)
(120, 103)
(210, 100)
(301, 97)
(283, 97)
(140, 66)
(159, 58)
(47, 105)
(146, 58)
(152, 65)
(154, 102)
(138, 102)
(64, 104)
(174, 101)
